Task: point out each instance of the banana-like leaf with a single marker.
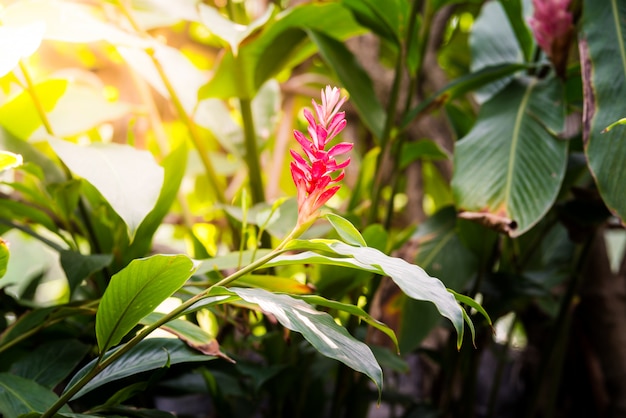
(603, 57)
(510, 166)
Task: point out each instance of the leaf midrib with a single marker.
(514, 143)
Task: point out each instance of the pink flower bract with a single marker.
(315, 172)
(551, 20)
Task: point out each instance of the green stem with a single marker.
(385, 139)
(30, 87)
(252, 152)
(180, 310)
(182, 113)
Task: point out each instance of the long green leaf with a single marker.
(413, 280)
(514, 10)
(354, 78)
(78, 267)
(108, 167)
(493, 42)
(352, 310)
(281, 44)
(173, 172)
(319, 328)
(463, 85)
(603, 57)
(149, 354)
(135, 292)
(51, 362)
(22, 396)
(510, 165)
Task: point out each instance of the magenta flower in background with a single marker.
(313, 172)
(550, 22)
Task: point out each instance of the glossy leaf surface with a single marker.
(22, 396)
(149, 354)
(135, 292)
(413, 280)
(319, 328)
(603, 57)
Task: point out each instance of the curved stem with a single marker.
(30, 87)
(180, 310)
(180, 110)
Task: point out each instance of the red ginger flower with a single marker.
(550, 23)
(312, 175)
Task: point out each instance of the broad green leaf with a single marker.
(78, 266)
(603, 57)
(514, 10)
(354, 78)
(19, 115)
(174, 170)
(421, 149)
(69, 22)
(346, 231)
(25, 324)
(352, 310)
(413, 280)
(9, 160)
(472, 304)
(22, 396)
(276, 284)
(17, 42)
(510, 165)
(4, 257)
(279, 46)
(108, 167)
(318, 328)
(461, 86)
(493, 42)
(135, 292)
(51, 362)
(149, 354)
(386, 19)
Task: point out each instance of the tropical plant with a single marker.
(165, 248)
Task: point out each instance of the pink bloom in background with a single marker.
(550, 22)
(313, 175)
